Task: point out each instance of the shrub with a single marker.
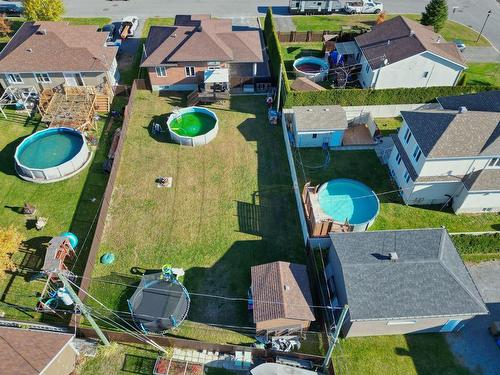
(436, 14)
(10, 240)
(43, 10)
(483, 244)
(274, 50)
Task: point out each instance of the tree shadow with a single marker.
(7, 165)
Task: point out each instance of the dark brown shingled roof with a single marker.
(281, 290)
(197, 38)
(57, 47)
(399, 38)
(24, 352)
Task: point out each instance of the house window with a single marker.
(358, 56)
(315, 135)
(407, 135)
(425, 75)
(212, 65)
(495, 162)
(14, 78)
(42, 77)
(398, 158)
(417, 153)
(161, 71)
(367, 68)
(407, 177)
(487, 209)
(189, 71)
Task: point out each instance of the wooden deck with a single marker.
(357, 135)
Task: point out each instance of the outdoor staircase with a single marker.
(193, 98)
(102, 103)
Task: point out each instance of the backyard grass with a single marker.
(420, 354)
(481, 248)
(388, 125)
(231, 207)
(452, 30)
(394, 214)
(99, 21)
(69, 205)
(131, 71)
(483, 74)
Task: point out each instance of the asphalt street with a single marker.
(469, 12)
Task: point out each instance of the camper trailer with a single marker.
(314, 7)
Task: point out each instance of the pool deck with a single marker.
(357, 135)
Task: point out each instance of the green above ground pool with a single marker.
(193, 126)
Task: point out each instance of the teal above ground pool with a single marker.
(349, 200)
(51, 155)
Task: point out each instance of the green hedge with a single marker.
(349, 97)
(478, 248)
(274, 49)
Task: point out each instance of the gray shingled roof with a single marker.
(321, 117)
(483, 180)
(487, 101)
(429, 279)
(399, 38)
(448, 133)
(280, 290)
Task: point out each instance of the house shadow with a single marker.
(135, 364)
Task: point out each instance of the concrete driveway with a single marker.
(473, 344)
(481, 54)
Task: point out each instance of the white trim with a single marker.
(41, 74)
(13, 82)
(188, 69)
(59, 352)
(74, 73)
(164, 71)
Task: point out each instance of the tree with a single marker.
(43, 10)
(10, 240)
(5, 28)
(380, 18)
(436, 14)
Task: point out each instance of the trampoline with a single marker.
(159, 303)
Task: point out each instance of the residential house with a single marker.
(399, 282)
(448, 157)
(486, 101)
(181, 57)
(315, 126)
(282, 300)
(45, 55)
(403, 53)
(27, 352)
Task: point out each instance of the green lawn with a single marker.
(394, 214)
(99, 21)
(69, 205)
(420, 354)
(292, 51)
(452, 30)
(231, 206)
(478, 248)
(131, 72)
(388, 125)
(484, 74)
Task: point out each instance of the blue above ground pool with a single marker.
(313, 68)
(51, 155)
(345, 199)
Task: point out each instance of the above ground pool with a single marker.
(51, 155)
(314, 68)
(193, 126)
(345, 199)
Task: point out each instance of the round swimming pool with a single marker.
(51, 155)
(193, 126)
(313, 68)
(345, 199)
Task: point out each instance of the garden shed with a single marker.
(281, 297)
(315, 126)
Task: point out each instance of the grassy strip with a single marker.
(452, 30)
(388, 125)
(484, 74)
(478, 248)
(99, 21)
(397, 354)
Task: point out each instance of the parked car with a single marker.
(128, 26)
(460, 45)
(110, 29)
(365, 6)
(12, 9)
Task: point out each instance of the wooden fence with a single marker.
(106, 200)
(317, 36)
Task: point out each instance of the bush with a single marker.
(274, 50)
(436, 14)
(43, 10)
(10, 240)
(351, 97)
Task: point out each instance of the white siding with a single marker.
(365, 78)
(476, 202)
(454, 167)
(433, 193)
(424, 70)
(398, 172)
(410, 148)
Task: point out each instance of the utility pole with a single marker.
(334, 337)
(484, 24)
(279, 89)
(78, 302)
